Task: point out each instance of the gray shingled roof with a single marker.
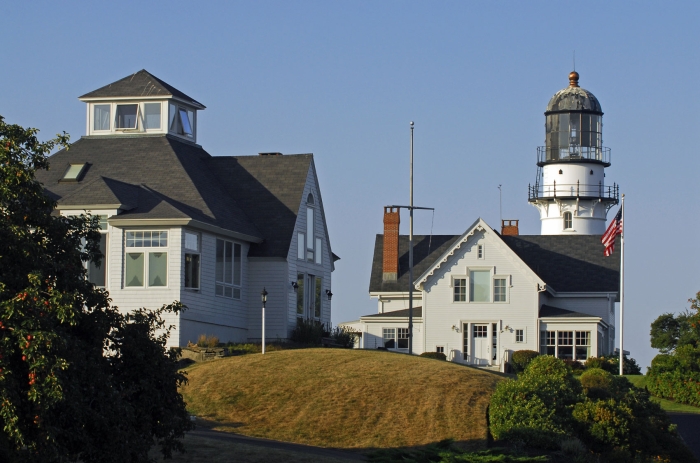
(140, 84)
(403, 313)
(425, 253)
(548, 311)
(164, 177)
(270, 188)
(567, 263)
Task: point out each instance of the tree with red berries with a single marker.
(79, 381)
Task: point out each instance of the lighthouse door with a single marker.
(482, 345)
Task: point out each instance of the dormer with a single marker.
(141, 104)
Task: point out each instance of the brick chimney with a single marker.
(509, 227)
(390, 261)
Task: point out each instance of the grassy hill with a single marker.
(342, 398)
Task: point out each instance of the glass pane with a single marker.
(101, 117)
(134, 269)
(236, 293)
(228, 291)
(96, 275)
(147, 239)
(126, 116)
(402, 338)
(479, 285)
(74, 171)
(151, 115)
(499, 290)
(310, 228)
(237, 264)
(219, 260)
(172, 121)
(389, 338)
(192, 241)
(219, 290)
(190, 117)
(319, 251)
(158, 269)
(317, 299)
(301, 245)
(185, 121)
(228, 260)
(192, 271)
(300, 294)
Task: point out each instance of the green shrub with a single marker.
(630, 366)
(676, 376)
(343, 336)
(536, 408)
(434, 355)
(309, 332)
(575, 366)
(522, 358)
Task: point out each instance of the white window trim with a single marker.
(480, 251)
(515, 335)
(140, 118)
(466, 288)
(146, 250)
(231, 285)
(477, 269)
(493, 288)
(137, 125)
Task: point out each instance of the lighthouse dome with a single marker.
(574, 98)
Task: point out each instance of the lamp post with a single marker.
(263, 296)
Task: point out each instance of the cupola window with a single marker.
(126, 116)
(181, 121)
(101, 117)
(151, 116)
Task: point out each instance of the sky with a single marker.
(343, 79)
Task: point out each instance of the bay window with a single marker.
(146, 259)
(566, 345)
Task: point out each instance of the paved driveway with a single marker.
(689, 429)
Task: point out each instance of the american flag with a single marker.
(614, 229)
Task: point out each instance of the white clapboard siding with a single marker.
(272, 276)
(519, 312)
(297, 266)
(208, 313)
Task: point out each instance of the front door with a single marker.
(482, 345)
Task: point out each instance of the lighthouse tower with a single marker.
(570, 191)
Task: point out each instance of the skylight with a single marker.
(74, 172)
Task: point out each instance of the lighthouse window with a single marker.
(568, 221)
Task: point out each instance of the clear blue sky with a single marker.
(343, 80)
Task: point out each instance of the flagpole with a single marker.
(622, 284)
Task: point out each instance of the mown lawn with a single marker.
(342, 398)
(668, 405)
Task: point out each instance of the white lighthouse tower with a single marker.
(570, 191)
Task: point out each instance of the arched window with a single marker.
(310, 199)
(568, 221)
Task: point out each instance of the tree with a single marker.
(670, 331)
(78, 379)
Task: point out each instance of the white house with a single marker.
(483, 294)
(181, 224)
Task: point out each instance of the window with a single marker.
(499, 290)
(465, 343)
(481, 331)
(389, 337)
(565, 343)
(479, 285)
(151, 115)
(310, 199)
(568, 221)
(317, 297)
(440, 349)
(100, 118)
(402, 338)
(300, 295)
(150, 260)
(228, 269)
(301, 246)
(75, 172)
(192, 260)
(309, 234)
(126, 116)
(519, 335)
(583, 345)
(460, 289)
(319, 251)
(479, 251)
(494, 341)
(97, 275)
(181, 121)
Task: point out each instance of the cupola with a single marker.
(141, 104)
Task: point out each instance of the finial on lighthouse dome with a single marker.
(573, 79)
